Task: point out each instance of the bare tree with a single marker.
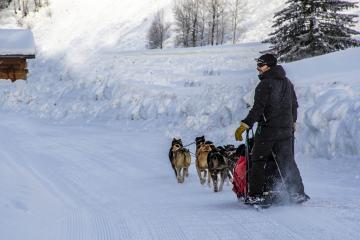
(37, 4)
(25, 7)
(191, 21)
(4, 3)
(222, 23)
(15, 8)
(194, 19)
(182, 13)
(18, 5)
(216, 20)
(158, 32)
(235, 7)
(203, 23)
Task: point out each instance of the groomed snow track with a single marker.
(79, 182)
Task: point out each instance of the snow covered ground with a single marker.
(104, 182)
(84, 141)
(189, 92)
(101, 171)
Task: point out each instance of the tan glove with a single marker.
(238, 134)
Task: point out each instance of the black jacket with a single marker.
(275, 103)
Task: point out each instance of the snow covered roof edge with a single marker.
(17, 43)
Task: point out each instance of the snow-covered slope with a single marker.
(194, 91)
(104, 172)
(91, 26)
(87, 68)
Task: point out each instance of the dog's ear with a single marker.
(229, 146)
(176, 140)
(201, 138)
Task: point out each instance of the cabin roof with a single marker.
(17, 43)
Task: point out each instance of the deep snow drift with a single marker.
(194, 91)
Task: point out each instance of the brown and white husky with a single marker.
(201, 161)
(181, 161)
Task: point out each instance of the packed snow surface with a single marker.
(76, 181)
(16, 42)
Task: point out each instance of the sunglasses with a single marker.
(260, 63)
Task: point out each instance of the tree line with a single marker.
(24, 7)
(303, 28)
(199, 23)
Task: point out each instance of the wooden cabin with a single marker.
(16, 47)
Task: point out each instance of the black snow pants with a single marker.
(279, 142)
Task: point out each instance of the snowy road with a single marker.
(79, 181)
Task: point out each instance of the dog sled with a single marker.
(241, 175)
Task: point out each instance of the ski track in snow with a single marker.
(98, 182)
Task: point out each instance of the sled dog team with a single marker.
(275, 112)
(213, 164)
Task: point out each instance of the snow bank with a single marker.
(330, 113)
(193, 91)
(169, 88)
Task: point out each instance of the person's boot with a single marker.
(254, 200)
(299, 198)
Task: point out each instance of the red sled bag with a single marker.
(239, 178)
(241, 169)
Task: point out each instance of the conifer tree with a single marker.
(307, 28)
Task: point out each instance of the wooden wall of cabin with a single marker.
(13, 68)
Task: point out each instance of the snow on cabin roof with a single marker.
(17, 42)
